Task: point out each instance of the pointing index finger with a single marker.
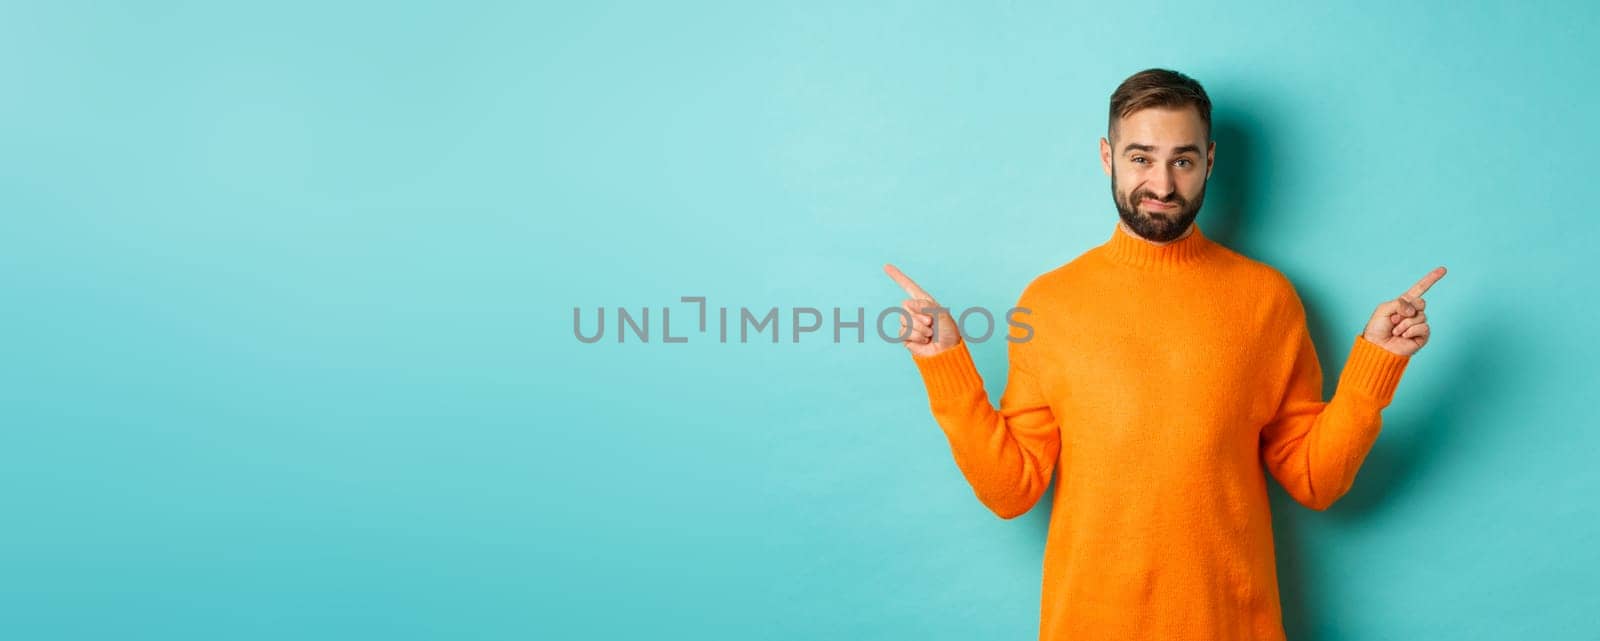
(1422, 286)
(905, 282)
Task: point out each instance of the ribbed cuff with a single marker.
(950, 374)
(1373, 371)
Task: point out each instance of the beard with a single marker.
(1157, 226)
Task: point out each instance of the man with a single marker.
(1164, 371)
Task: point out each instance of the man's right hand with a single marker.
(926, 337)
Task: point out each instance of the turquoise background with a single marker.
(287, 303)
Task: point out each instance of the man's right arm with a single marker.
(1007, 455)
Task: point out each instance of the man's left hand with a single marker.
(1401, 325)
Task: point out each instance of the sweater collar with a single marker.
(1131, 250)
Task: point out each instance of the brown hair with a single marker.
(1158, 88)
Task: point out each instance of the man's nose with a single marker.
(1162, 182)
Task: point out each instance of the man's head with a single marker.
(1158, 152)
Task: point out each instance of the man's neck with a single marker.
(1130, 232)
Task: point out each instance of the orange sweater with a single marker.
(1158, 382)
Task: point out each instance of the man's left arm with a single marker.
(1314, 448)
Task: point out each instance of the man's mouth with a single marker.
(1156, 204)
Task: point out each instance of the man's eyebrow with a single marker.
(1182, 149)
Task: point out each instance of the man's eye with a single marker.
(1184, 162)
(1138, 160)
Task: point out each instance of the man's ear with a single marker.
(1211, 158)
(1105, 155)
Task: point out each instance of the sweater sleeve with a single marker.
(1007, 455)
(1312, 447)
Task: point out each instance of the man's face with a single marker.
(1159, 161)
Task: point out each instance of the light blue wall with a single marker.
(286, 297)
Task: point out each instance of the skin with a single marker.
(1159, 160)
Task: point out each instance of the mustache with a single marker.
(1146, 195)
